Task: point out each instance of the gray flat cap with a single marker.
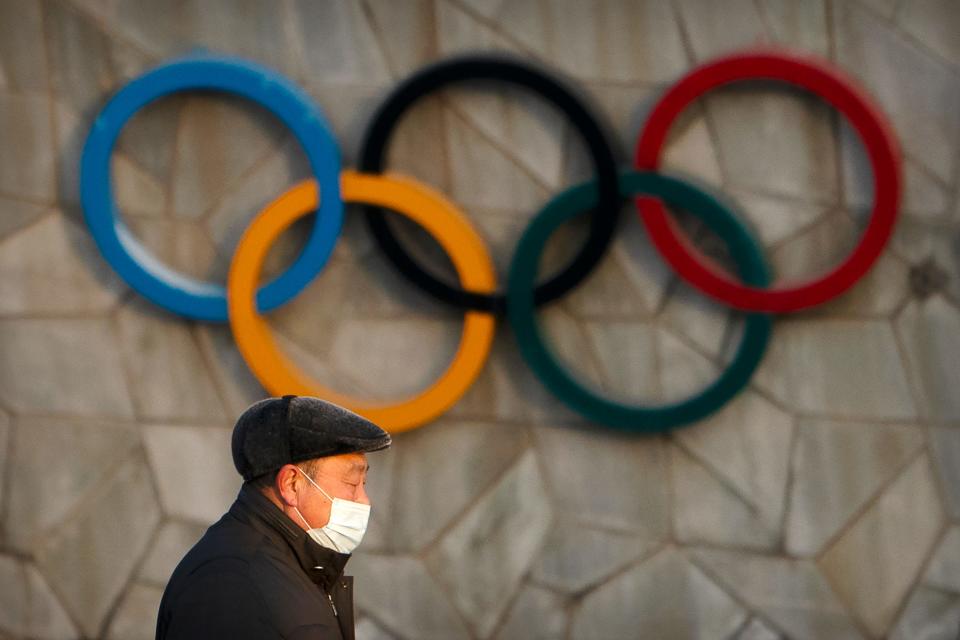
(278, 431)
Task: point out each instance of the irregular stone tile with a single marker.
(5, 463)
(27, 605)
(183, 246)
(624, 109)
(168, 548)
(762, 133)
(900, 527)
(706, 511)
(239, 387)
(18, 214)
(472, 155)
(22, 62)
(837, 367)
(930, 23)
(838, 468)
(219, 141)
(789, 593)
(483, 558)
(528, 130)
(33, 509)
(716, 29)
(457, 31)
(135, 190)
(608, 479)
(576, 556)
(91, 557)
(250, 29)
(86, 64)
(372, 349)
(194, 470)
(757, 630)
(626, 352)
(943, 570)
(690, 150)
(338, 42)
(929, 615)
(440, 471)
(54, 267)
(931, 336)
(683, 371)
(71, 133)
(149, 137)
(697, 318)
(136, 618)
(926, 244)
(630, 283)
(650, 50)
(46, 367)
(536, 614)
(507, 389)
(802, 25)
(634, 600)
(367, 629)
(404, 597)
(923, 195)
(167, 372)
(945, 448)
(919, 93)
(747, 446)
(775, 220)
(881, 292)
(406, 33)
(25, 126)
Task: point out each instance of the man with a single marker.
(272, 566)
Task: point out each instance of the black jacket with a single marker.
(256, 575)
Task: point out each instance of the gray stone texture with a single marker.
(91, 557)
(27, 166)
(930, 331)
(172, 542)
(136, 617)
(536, 614)
(28, 607)
(633, 601)
(484, 556)
(196, 479)
(945, 448)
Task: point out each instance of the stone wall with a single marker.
(822, 503)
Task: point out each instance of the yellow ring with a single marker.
(439, 217)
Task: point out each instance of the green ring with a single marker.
(752, 269)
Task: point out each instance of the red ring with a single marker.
(815, 76)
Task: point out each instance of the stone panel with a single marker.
(932, 23)
(576, 556)
(929, 615)
(482, 559)
(438, 472)
(931, 336)
(136, 617)
(837, 367)
(54, 267)
(27, 605)
(367, 629)
(25, 126)
(182, 246)
(18, 214)
(168, 548)
(45, 366)
(406, 32)
(338, 42)
(918, 92)
(640, 42)
(943, 570)
(757, 630)
(404, 598)
(837, 469)
(22, 61)
(606, 479)
(167, 372)
(945, 448)
(537, 614)
(194, 470)
(91, 557)
(72, 456)
(6, 462)
(634, 600)
(900, 527)
(791, 594)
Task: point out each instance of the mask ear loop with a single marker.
(305, 475)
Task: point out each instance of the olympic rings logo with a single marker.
(241, 303)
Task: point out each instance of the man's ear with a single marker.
(286, 485)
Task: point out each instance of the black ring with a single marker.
(493, 67)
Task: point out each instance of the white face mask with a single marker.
(347, 524)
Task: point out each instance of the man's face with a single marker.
(343, 476)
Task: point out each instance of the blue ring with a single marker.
(141, 270)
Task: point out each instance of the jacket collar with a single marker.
(323, 566)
